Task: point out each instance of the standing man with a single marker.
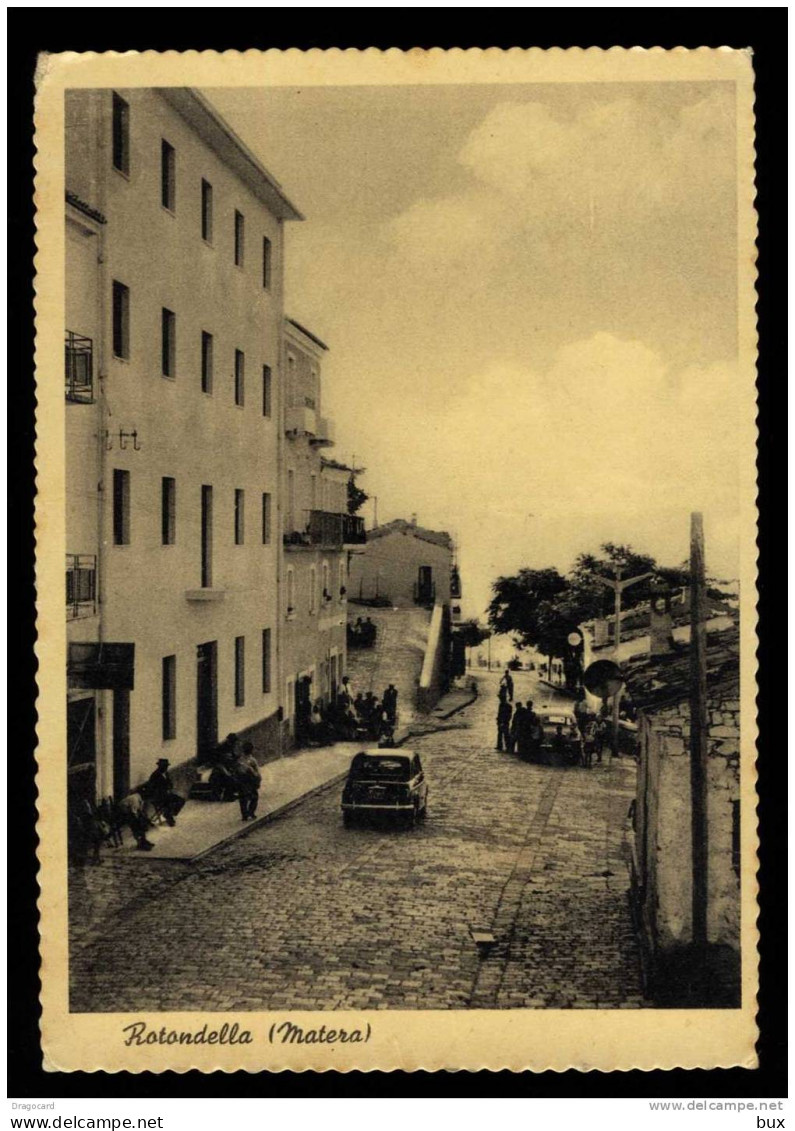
(504, 713)
(516, 729)
(507, 683)
(249, 779)
(390, 703)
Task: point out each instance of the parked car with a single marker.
(555, 720)
(385, 782)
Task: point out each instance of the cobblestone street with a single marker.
(305, 914)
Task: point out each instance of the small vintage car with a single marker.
(561, 740)
(385, 782)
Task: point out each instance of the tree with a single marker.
(470, 633)
(541, 607)
(356, 496)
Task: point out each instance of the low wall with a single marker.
(434, 674)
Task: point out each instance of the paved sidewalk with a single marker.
(203, 825)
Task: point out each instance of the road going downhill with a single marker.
(304, 914)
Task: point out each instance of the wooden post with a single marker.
(698, 730)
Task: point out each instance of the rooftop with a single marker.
(402, 526)
(658, 681)
(307, 333)
(223, 140)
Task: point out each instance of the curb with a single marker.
(250, 826)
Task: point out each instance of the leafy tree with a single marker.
(471, 633)
(356, 496)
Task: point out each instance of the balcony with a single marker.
(324, 433)
(79, 368)
(325, 528)
(300, 419)
(81, 585)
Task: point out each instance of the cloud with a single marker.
(609, 162)
(445, 230)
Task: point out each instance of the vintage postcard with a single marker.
(396, 559)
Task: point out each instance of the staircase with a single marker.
(396, 658)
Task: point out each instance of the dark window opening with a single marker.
(267, 380)
(207, 538)
(121, 319)
(168, 508)
(121, 135)
(207, 211)
(240, 511)
(169, 343)
(266, 518)
(169, 697)
(240, 671)
(240, 378)
(266, 661)
(266, 263)
(207, 362)
(121, 507)
(240, 238)
(168, 176)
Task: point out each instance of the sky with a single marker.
(529, 297)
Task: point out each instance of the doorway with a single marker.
(425, 593)
(206, 697)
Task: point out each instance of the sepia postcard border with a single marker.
(517, 1040)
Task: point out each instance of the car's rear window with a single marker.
(394, 769)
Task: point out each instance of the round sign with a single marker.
(574, 638)
(602, 678)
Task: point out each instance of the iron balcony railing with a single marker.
(79, 367)
(326, 528)
(81, 585)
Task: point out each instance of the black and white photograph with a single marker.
(407, 505)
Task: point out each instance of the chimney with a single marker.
(661, 633)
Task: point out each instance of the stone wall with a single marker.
(663, 817)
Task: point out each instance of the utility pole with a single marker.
(698, 730)
(618, 586)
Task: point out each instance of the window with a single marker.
(266, 661)
(291, 500)
(121, 507)
(343, 589)
(207, 538)
(312, 589)
(121, 135)
(240, 510)
(326, 583)
(240, 238)
(290, 591)
(121, 319)
(266, 518)
(168, 176)
(240, 378)
(168, 516)
(207, 211)
(240, 671)
(266, 390)
(207, 362)
(169, 343)
(266, 263)
(169, 697)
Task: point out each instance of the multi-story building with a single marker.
(318, 534)
(174, 315)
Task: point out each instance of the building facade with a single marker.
(319, 537)
(405, 564)
(174, 316)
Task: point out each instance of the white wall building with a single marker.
(174, 315)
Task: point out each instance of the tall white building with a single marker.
(318, 534)
(174, 316)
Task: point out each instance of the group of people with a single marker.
(236, 774)
(362, 634)
(518, 728)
